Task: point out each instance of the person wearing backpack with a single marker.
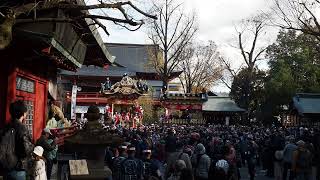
(177, 155)
(220, 170)
(151, 166)
(250, 156)
(131, 167)
(15, 144)
(201, 163)
(120, 156)
(302, 159)
(288, 151)
(179, 166)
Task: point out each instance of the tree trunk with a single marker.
(6, 31)
(165, 82)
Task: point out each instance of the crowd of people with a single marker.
(131, 118)
(215, 152)
(175, 152)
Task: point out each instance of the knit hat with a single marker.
(200, 149)
(38, 150)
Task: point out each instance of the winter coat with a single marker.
(288, 152)
(171, 143)
(39, 171)
(201, 164)
(42, 141)
(52, 154)
(173, 157)
(23, 144)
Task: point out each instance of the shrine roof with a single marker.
(135, 57)
(221, 104)
(307, 103)
(91, 70)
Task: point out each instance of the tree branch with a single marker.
(117, 5)
(102, 26)
(242, 49)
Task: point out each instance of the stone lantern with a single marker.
(90, 144)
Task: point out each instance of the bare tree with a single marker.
(200, 66)
(172, 31)
(17, 12)
(254, 28)
(249, 32)
(228, 73)
(246, 82)
(300, 15)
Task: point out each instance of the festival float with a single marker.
(123, 97)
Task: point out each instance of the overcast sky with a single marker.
(217, 19)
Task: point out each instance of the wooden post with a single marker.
(112, 109)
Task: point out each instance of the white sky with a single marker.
(217, 19)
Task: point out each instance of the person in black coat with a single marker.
(23, 144)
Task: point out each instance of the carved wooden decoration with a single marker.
(127, 88)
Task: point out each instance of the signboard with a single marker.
(78, 167)
(73, 101)
(23, 84)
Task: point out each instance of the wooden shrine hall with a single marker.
(221, 110)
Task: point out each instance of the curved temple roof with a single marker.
(307, 103)
(221, 104)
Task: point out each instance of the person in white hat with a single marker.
(39, 166)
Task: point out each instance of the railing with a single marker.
(62, 133)
(185, 96)
(86, 94)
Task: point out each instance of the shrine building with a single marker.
(36, 53)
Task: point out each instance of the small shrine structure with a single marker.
(127, 90)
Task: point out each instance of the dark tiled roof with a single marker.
(133, 56)
(221, 104)
(307, 103)
(111, 71)
(132, 59)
